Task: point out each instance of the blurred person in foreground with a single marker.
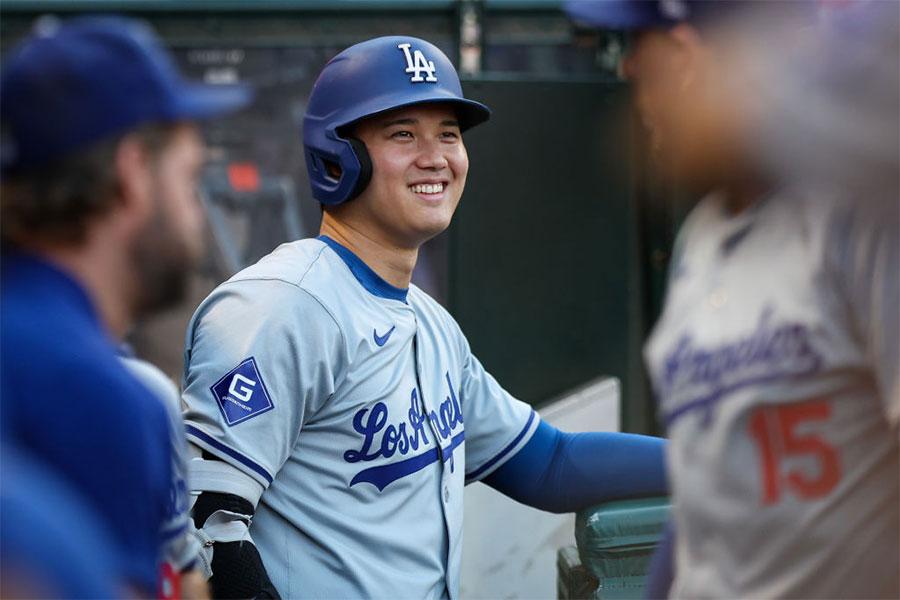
(99, 225)
(36, 505)
(775, 360)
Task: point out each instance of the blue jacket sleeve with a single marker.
(565, 472)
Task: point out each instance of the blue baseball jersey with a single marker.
(69, 402)
(360, 409)
(52, 542)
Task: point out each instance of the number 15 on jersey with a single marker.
(778, 432)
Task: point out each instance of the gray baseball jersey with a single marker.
(775, 363)
(362, 411)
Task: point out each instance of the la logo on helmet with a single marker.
(417, 64)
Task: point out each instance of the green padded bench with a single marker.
(615, 542)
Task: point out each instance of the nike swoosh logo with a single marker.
(381, 340)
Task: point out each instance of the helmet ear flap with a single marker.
(339, 169)
(365, 166)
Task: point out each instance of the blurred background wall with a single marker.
(555, 263)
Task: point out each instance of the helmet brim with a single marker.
(469, 112)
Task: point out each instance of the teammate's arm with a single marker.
(564, 472)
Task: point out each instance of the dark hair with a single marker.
(53, 203)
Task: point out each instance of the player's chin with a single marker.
(428, 226)
(433, 229)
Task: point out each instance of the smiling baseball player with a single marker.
(337, 406)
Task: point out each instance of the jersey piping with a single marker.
(482, 470)
(216, 445)
(368, 278)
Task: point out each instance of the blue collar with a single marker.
(368, 278)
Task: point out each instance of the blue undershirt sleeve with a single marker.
(564, 472)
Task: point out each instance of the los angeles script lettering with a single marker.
(404, 437)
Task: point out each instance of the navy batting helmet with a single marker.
(365, 79)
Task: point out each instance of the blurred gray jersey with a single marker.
(359, 408)
(180, 547)
(775, 364)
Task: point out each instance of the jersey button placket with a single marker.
(444, 485)
(427, 412)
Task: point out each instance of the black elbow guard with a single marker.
(238, 570)
(209, 502)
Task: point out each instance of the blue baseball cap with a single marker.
(627, 15)
(71, 84)
(632, 15)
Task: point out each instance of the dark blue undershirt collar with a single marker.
(368, 278)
